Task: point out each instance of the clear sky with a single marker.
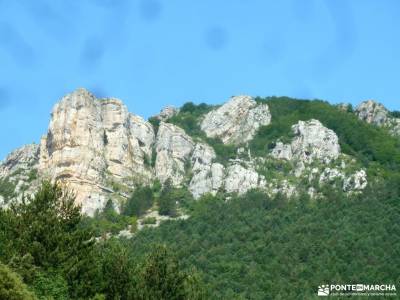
(151, 53)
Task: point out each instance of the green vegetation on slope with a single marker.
(46, 241)
(12, 287)
(7, 189)
(366, 142)
(189, 118)
(370, 144)
(254, 247)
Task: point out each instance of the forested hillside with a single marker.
(254, 247)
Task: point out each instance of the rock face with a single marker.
(372, 112)
(376, 114)
(21, 159)
(173, 148)
(19, 172)
(101, 151)
(207, 176)
(237, 120)
(167, 112)
(92, 144)
(312, 141)
(240, 179)
(211, 177)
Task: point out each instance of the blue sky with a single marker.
(151, 53)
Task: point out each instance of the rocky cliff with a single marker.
(96, 147)
(375, 113)
(101, 151)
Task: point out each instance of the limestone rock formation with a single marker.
(237, 120)
(101, 151)
(173, 148)
(312, 141)
(210, 177)
(240, 179)
(349, 183)
(19, 172)
(95, 146)
(375, 113)
(372, 112)
(356, 182)
(207, 176)
(20, 160)
(166, 113)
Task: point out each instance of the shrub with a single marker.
(140, 201)
(7, 189)
(166, 201)
(51, 286)
(11, 286)
(149, 221)
(395, 114)
(161, 277)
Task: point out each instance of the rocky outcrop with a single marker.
(376, 114)
(173, 148)
(240, 179)
(312, 141)
(372, 112)
(315, 156)
(166, 113)
(18, 173)
(207, 177)
(101, 151)
(95, 145)
(237, 121)
(349, 183)
(23, 159)
(210, 177)
(356, 182)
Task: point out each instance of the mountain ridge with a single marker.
(102, 152)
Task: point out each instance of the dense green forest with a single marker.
(242, 247)
(51, 253)
(253, 247)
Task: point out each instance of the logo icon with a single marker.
(323, 290)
